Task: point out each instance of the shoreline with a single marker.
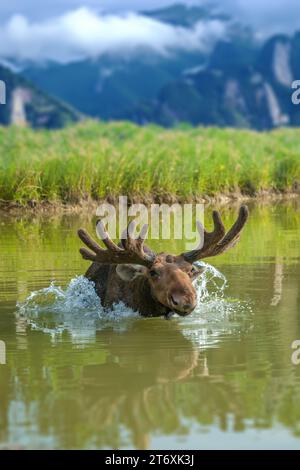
(90, 205)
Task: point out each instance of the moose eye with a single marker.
(153, 273)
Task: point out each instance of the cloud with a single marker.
(35, 9)
(266, 17)
(84, 33)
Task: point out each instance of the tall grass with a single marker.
(95, 160)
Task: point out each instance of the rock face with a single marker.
(26, 105)
(282, 64)
(234, 89)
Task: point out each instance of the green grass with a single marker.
(95, 160)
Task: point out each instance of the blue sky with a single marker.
(41, 9)
(261, 11)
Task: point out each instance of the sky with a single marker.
(262, 12)
(66, 30)
(42, 9)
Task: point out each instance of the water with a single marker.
(77, 376)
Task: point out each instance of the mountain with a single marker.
(183, 15)
(240, 86)
(27, 105)
(239, 83)
(110, 86)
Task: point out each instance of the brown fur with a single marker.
(151, 297)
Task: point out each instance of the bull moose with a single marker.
(154, 284)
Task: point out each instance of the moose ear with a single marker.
(129, 272)
(197, 271)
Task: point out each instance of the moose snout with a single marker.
(182, 304)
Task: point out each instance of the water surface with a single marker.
(77, 377)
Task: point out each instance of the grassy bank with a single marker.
(96, 160)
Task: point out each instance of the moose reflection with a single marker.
(150, 379)
(127, 386)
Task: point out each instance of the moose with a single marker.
(154, 284)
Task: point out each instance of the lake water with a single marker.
(77, 377)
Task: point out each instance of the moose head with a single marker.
(170, 277)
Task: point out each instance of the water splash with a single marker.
(78, 310)
(211, 283)
(215, 315)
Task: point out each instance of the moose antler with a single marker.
(217, 241)
(131, 251)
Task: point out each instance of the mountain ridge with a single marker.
(26, 104)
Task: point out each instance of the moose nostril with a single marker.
(188, 306)
(174, 302)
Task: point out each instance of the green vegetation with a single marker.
(96, 160)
